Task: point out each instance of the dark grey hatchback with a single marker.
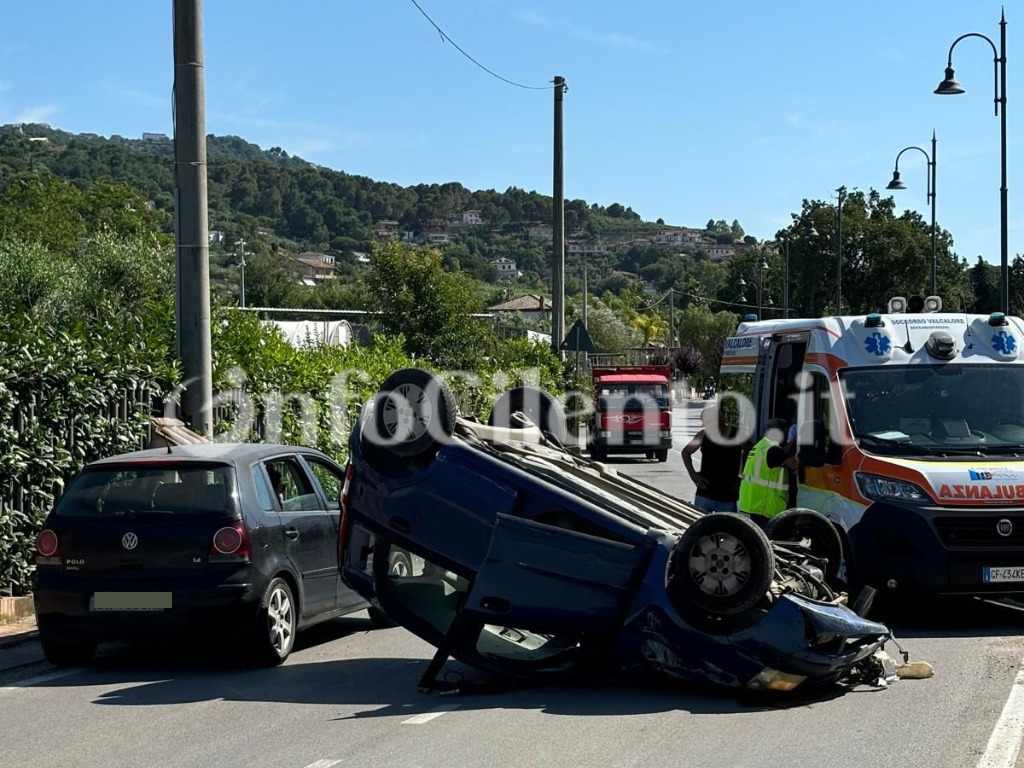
(237, 540)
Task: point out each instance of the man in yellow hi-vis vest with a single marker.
(764, 490)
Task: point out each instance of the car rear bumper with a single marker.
(70, 607)
(938, 550)
(627, 445)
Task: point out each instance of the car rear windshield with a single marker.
(151, 490)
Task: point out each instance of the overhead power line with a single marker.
(460, 49)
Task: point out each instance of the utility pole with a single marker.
(785, 278)
(191, 231)
(586, 294)
(839, 251)
(558, 227)
(671, 318)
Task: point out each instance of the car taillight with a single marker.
(47, 543)
(343, 519)
(231, 543)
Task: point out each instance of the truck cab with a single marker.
(910, 435)
(632, 411)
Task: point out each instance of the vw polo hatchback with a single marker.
(209, 540)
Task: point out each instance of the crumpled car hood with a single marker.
(820, 641)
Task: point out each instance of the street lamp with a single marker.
(761, 267)
(241, 266)
(950, 86)
(897, 183)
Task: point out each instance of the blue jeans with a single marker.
(704, 504)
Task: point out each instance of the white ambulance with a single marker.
(912, 438)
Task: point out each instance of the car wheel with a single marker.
(539, 407)
(64, 653)
(818, 533)
(413, 412)
(722, 566)
(662, 456)
(277, 622)
(400, 564)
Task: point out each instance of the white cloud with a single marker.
(610, 39)
(37, 114)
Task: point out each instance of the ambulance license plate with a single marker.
(1002, 574)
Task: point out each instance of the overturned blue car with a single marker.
(514, 555)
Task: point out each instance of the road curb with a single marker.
(11, 641)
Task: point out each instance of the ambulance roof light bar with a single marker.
(900, 304)
(997, 319)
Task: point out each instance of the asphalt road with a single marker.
(348, 697)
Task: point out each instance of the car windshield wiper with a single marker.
(887, 442)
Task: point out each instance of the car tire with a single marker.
(418, 403)
(64, 653)
(824, 540)
(722, 566)
(400, 563)
(277, 621)
(541, 408)
(661, 456)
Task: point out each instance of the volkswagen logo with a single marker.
(130, 541)
(1004, 527)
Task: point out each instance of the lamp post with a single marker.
(897, 183)
(950, 86)
(785, 275)
(742, 285)
(241, 253)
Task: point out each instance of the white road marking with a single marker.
(1004, 744)
(426, 717)
(325, 763)
(38, 680)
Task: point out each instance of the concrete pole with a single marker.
(671, 318)
(586, 292)
(558, 227)
(193, 245)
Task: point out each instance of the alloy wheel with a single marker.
(720, 564)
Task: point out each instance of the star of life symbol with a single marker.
(877, 344)
(1004, 343)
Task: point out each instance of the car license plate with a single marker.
(1002, 574)
(130, 601)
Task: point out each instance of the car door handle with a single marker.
(292, 533)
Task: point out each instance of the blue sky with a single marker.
(682, 109)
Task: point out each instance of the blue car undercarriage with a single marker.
(516, 556)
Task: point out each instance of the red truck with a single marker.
(632, 411)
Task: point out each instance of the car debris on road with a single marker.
(516, 556)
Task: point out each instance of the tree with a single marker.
(705, 332)
(650, 326)
(736, 229)
(429, 307)
(883, 255)
(984, 280)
